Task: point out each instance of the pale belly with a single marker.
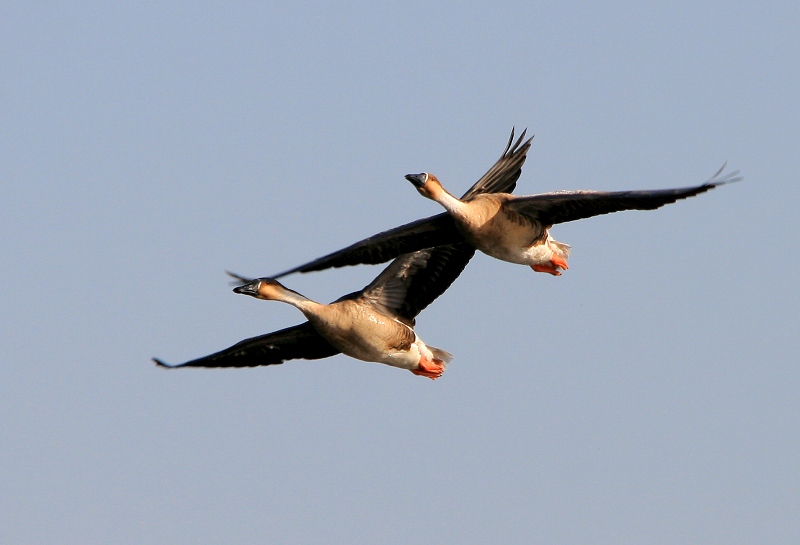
(512, 244)
(371, 341)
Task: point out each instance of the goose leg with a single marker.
(432, 369)
(549, 268)
(558, 261)
(553, 267)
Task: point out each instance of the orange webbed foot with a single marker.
(554, 267)
(432, 369)
(558, 261)
(550, 269)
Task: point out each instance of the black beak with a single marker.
(417, 179)
(251, 288)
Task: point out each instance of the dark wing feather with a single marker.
(503, 176)
(444, 265)
(412, 281)
(298, 342)
(429, 232)
(564, 206)
(424, 233)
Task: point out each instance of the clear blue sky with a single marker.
(649, 395)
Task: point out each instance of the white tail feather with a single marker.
(560, 248)
(440, 354)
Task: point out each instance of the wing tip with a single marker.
(240, 280)
(730, 178)
(510, 140)
(302, 269)
(516, 148)
(308, 267)
(163, 364)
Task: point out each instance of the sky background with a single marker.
(647, 396)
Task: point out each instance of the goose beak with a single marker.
(251, 288)
(417, 179)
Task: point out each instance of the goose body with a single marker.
(364, 327)
(490, 223)
(487, 223)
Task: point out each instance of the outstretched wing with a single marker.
(443, 267)
(298, 342)
(413, 281)
(503, 176)
(424, 233)
(564, 206)
(429, 232)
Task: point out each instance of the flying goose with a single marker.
(504, 226)
(375, 324)
(517, 229)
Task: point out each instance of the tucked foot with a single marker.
(558, 261)
(546, 269)
(432, 369)
(554, 267)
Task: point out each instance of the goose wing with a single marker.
(413, 281)
(444, 265)
(425, 233)
(429, 232)
(503, 176)
(564, 206)
(298, 342)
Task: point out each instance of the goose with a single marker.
(507, 227)
(375, 324)
(517, 228)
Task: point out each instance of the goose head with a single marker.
(263, 288)
(426, 184)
